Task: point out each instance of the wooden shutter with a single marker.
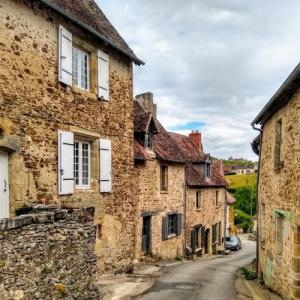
(105, 166)
(103, 75)
(179, 224)
(164, 228)
(65, 56)
(65, 163)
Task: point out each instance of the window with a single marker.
(82, 164)
(198, 237)
(262, 224)
(172, 224)
(198, 199)
(279, 233)
(217, 198)
(164, 178)
(207, 170)
(148, 141)
(80, 62)
(278, 144)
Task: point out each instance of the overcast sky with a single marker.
(211, 64)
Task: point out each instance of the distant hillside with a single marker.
(243, 180)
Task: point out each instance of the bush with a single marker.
(243, 220)
(249, 274)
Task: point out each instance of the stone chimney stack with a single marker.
(195, 136)
(147, 102)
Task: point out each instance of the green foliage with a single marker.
(236, 181)
(242, 220)
(245, 200)
(249, 274)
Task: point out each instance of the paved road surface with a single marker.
(203, 280)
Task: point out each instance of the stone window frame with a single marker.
(279, 228)
(164, 178)
(198, 199)
(81, 52)
(218, 203)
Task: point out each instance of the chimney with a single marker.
(147, 102)
(195, 136)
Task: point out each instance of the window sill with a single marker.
(87, 93)
(164, 192)
(172, 236)
(83, 188)
(198, 209)
(279, 167)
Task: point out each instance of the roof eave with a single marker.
(266, 112)
(134, 59)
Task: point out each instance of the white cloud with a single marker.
(214, 62)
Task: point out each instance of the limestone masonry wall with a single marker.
(279, 195)
(49, 255)
(34, 106)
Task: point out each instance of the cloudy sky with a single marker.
(211, 64)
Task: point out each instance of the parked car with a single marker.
(233, 243)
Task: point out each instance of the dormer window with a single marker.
(207, 170)
(148, 141)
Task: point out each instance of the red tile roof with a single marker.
(140, 152)
(166, 147)
(142, 118)
(93, 19)
(188, 148)
(196, 178)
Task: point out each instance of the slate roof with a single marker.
(87, 14)
(281, 97)
(187, 146)
(195, 178)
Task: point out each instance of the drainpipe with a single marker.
(225, 220)
(257, 198)
(184, 210)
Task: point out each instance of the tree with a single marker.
(243, 220)
(245, 200)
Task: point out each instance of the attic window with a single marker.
(148, 141)
(207, 170)
(1, 133)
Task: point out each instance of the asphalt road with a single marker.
(210, 279)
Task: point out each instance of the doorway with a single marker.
(206, 240)
(146, 235)
(4, 185)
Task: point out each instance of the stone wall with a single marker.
(49, 254)
(34, 106)
(279, 194)
(208, 214)
(159, 204)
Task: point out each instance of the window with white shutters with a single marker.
(65, 56)
(65, 163)
(82, 164)
(105, 166)
(103, 75)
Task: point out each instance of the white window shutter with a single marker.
(103, 75)
(65, 56)
(105, 166)
(65, 163)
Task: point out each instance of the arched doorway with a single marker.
(207, 240)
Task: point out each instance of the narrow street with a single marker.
(210, 279)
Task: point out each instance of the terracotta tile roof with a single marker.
(140, 152)
(196, 178)
(188, 148)
(165, 146)
(142, 118)
(90, 16)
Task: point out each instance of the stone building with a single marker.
(159, 176)
(180, 190)
(279, 189)
(66, 117)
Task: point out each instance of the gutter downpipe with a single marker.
(225, 220)
(257, 197)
